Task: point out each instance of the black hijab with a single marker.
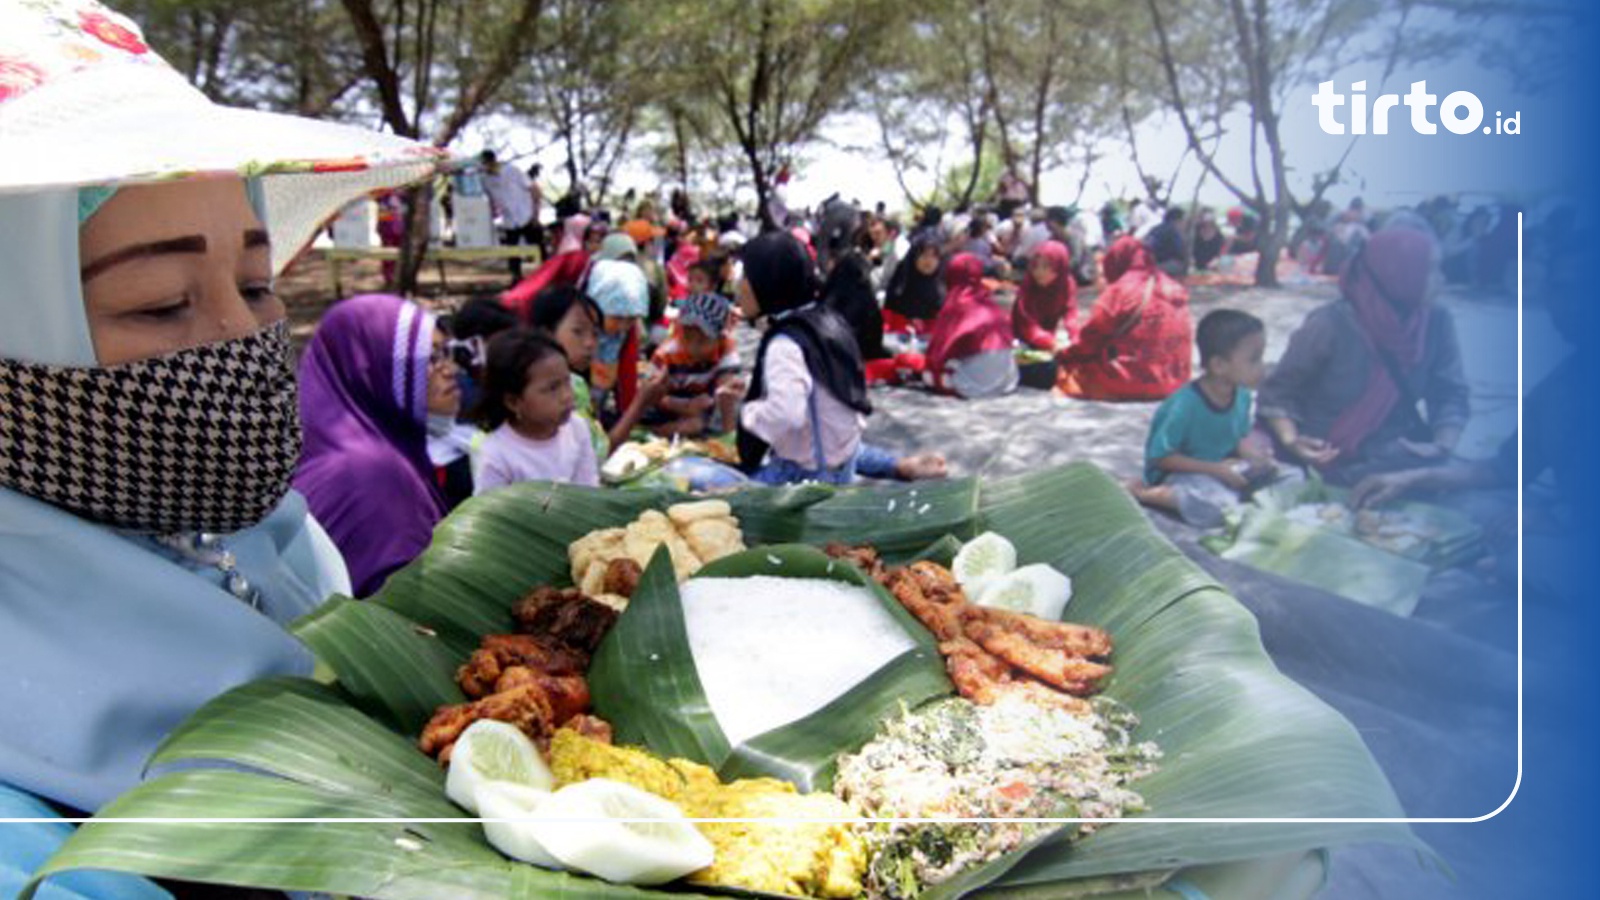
(784, 282)
(911, 293)
(848, 292)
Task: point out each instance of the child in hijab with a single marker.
(701, 365)
(969, 352)
(916, 289)
(621, 292)
(803, 416)
(1049, 297)
(365, 470)
(528, 406)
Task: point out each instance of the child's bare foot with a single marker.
(921, 466)
(1159, 496)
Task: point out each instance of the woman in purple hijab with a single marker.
(364, 404)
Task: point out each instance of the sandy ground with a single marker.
(1416, 736)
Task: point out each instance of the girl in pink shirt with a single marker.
(527, 406)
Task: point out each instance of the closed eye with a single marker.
(257, 291)
(165, 313)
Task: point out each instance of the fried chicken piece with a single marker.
(499, 652)
(591, 727)
(937, 583)
(1041, 694)
(863, 557)
(943, 619)
(622, 577)
(567, 616)
(526, 707)
(1075, 640)
(1061, 670)
(568, 694)
(977, 674)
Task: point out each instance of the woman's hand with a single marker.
(1427, 450)
(1377, 490)
(1313, 451)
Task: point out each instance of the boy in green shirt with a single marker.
(1197, 463)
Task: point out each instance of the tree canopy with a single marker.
(721, 93)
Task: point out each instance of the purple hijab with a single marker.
(365, 471)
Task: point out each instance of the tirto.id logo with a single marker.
(1460, 113)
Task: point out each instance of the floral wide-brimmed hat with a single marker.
(84, 101)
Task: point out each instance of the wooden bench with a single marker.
(336, 256)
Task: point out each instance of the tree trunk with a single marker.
(758, 174)
(414, 246)
(1271, 244)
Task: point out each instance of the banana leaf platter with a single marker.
(1446, 538)
(1240, 740)
(1335, 556)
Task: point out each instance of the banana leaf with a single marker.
(1270, 541)
(1454, 538)
(1240, 739)
(643, 680)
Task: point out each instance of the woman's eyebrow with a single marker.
(192, 243)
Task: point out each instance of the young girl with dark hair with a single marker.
(527, 405)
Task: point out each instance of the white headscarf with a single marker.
(110, 641)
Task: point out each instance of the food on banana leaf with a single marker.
(626, 461)
(1010, 759)
(991, 653)
(815, 859)
(506, 808)
(770, 651)
(637, 457)
(597, 826)
(600, 827)
(566, 615)
(983, 560)
(1038, 590)
(693, 533)
(534, 682)
(1396, 531)
(493, 751)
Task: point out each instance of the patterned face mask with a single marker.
(205, 439)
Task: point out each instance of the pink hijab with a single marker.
(1040, 310)
(572, 233)
(678, 269)
(970, 321)
(1387, 283)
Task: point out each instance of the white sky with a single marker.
(1387, 170)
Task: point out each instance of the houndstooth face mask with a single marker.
(205, 439)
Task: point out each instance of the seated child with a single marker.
(706, 275)
(574, 321)
(1198, 463)
(701, 365)
(807, 404)
(528, 406)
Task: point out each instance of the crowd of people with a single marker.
(152, 431)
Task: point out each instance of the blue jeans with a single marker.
(869, 462)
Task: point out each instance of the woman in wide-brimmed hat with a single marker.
(151, 549)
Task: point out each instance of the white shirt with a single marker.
(1037, 233)
(782, 416)
(507, 458)
(511, 195)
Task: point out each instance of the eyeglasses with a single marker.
(464, 352)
